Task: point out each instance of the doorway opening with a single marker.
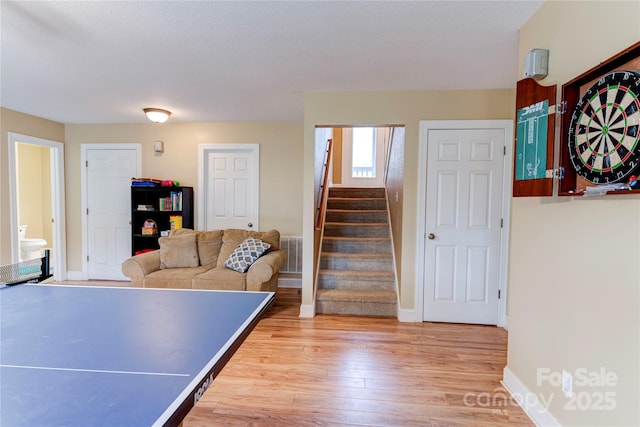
(36, 187)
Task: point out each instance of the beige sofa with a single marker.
(189, 259)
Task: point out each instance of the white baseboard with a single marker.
(409, 316)
(534, 409)
(74, 275)
(307, 311)
(290, 282)
(505, 323)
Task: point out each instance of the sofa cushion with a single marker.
(233, 237)
(174, 278)
(221, 278)
(178, 251)
(209, 243)
(246, 254)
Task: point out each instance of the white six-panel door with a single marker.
(462, 242)
(108, 177)
(231, 188)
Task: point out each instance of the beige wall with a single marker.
(383, 108)
(336, 159)
(24, 124)
(280, 166)
(34, 191)
(574, 262)
(395, 192)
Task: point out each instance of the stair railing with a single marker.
(387, 154)
(321, 203)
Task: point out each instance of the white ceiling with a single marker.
(212, 61)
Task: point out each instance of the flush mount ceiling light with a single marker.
(157, 115)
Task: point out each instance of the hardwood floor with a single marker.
(358, 371)
(346, 371)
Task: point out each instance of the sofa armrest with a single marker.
(137, 267)
(264, 269)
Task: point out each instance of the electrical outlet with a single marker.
(567, 383)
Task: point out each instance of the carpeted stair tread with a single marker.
(363, 203)
(347, 216)
(357, 211)
(365, 274)
(357, 224)
(357, 239)
(356, 261)
(368, 255)
(356, 279)
(357, 192)
(357, 295)
(356, 244)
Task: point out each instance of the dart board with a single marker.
(604, 133)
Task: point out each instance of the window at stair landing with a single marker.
(363, 160)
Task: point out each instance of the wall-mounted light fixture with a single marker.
(157, 115)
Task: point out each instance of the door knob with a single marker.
(250, 225)
(431, 236)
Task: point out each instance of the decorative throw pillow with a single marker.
(246, 254)
(178, 251)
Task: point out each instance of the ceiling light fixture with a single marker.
(157, 115)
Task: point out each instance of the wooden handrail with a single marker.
(322, 194)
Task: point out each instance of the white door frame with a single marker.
(57, 200)
(84, 188)
(425, 126)
(203, 153)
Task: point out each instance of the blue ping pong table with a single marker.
(80, 356)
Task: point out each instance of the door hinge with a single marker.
(504, 150)
(86, 163)
(499, 294)
(87, 211)
(501, 222)
(87, 258)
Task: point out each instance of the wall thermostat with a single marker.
(536, 64)
(158, 146)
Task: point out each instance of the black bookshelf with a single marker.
(146, 205)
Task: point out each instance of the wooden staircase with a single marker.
(356, 274)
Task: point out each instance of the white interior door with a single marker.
(108, 177)
(231, 187)
(463, 213)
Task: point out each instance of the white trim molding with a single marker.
(528, 400)
(307, 311)
(408, 315)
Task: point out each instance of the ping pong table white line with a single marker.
(99, 371)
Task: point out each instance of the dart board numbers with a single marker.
(604, 132)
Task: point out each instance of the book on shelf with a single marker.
(175, 221)
(145, 207)
(171, 203)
